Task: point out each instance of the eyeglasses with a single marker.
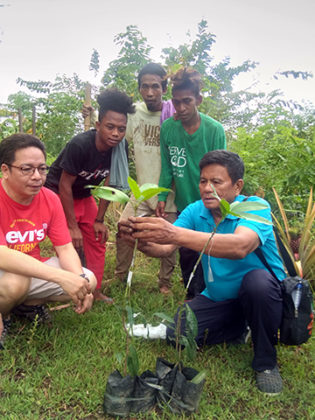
(30, 170)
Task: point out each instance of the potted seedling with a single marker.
(129, 393)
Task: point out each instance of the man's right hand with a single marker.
(75, 286)
(160, 209)
(77, 238)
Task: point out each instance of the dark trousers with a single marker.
(187, 261)
(259, 303)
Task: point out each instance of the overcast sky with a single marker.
(42, 38)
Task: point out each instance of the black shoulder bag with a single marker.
(297, 316)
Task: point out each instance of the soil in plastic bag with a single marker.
(179, 393)
(125, 395)
(118, 394)
(144, 395)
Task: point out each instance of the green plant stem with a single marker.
(178, 346)
(130, 272)
(200, 256)
(127, 343)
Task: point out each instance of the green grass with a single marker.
(61, 372)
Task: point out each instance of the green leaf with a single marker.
(147, 186)
(134, 187)
(254, 217)
(151, 192)
(191, 348)
(224, 207)
(248, 206)
(130, 317)
(191, 322)
(133, 361)
(201, 376)
(215, 193)
(109, 194)
(164, 317)
(184, 341)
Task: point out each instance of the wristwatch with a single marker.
(85, 277)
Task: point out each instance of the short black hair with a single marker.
(153, 68)
(18, 141)
(114, 100)
(231, 161)
(187, 78)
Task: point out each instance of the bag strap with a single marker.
(285, 255)
(262, 258)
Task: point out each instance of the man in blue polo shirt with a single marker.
(239, 288)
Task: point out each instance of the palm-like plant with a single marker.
(306, 266)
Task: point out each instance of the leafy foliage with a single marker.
(274, 137)
(279, 153)
(58, 105)
(95, 62)
(17, 101)
(133, 54)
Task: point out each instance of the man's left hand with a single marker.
(151, 229)
(85, 304)
(101, 232)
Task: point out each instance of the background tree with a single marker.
(95, 62)
(133, 54)
(275, 137)
(220, 100)
(58, 105)
(279, 153)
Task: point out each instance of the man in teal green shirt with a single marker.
(184, 139)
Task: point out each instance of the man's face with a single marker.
(110, 131)
(218, 176)
(151, 91)
(185, 104)
(23, 187)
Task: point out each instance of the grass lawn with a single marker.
(61, 372)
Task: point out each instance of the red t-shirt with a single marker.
(23, 227)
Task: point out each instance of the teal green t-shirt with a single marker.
(181, 153)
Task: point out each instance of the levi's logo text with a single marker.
(25, 240)
(178, 160)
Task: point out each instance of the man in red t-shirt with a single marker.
(28, 213)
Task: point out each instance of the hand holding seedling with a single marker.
(152, 229)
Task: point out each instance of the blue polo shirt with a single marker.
(228, 274)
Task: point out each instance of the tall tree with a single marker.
(220, 100)
(133, 54)
(95, 62)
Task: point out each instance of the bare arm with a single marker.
(101, 231)
(69, 260)
(232, 246)
(126, 232)
(16, 262)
